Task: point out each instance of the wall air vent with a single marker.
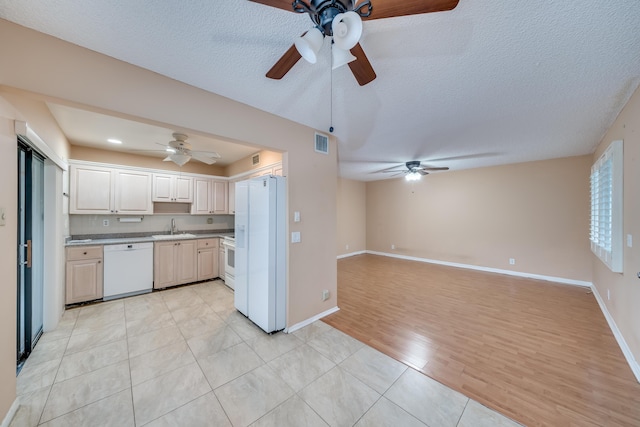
(255, 159)
(322, 143)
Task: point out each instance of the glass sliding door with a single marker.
(30, 250)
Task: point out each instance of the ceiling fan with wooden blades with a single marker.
(414, 170)
(342, 21)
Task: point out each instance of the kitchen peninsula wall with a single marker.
(93, 224)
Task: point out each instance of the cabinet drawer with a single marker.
(84, 252)
(207, 243)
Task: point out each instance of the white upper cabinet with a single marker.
(100, 190)
(172, 188)
(91, 190)
(210, 197)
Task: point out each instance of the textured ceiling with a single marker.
(491, 82)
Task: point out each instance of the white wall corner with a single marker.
(633, 364)
(310, 320)
(12, 412)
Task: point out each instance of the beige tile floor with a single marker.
(185, 357)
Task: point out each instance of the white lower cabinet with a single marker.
(174, 263)
(207, 258)
(84, 270)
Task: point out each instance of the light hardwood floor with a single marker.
(539, 352)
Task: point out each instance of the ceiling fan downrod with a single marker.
(322, 12)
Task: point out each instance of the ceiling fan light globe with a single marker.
(347, 29)
(340, 57)
(309, 45)
(180, 159)
(412, 176)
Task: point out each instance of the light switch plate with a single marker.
(295, 237)
(296, 216)
(629, 240)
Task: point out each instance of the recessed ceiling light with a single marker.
(114, 141)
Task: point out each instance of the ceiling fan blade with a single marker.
(203, 158)
(392, 8)
(435, 169)
(284, 64)
(210, 154)
(361, 67)
(422, 172)
(280, 4)
(392, 171)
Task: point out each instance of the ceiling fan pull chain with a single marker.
(364, 13)
(331, 100)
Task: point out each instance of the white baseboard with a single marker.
(310, 320)
(12, 412)
(488, 269)
(351, 254)
(635, 368)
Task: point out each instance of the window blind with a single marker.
(606, 207)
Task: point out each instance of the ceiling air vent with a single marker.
(322, 143)
(255, 159)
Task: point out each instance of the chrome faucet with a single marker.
(173, 226)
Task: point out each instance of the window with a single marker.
(606, 207)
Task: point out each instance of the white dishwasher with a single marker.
(128, 269)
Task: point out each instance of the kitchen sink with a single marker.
(173, 236)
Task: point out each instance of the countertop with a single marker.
(105, 239)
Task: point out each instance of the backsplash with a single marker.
(94, 224)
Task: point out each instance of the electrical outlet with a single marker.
(629, 241)
(393, 247)
(608, 295)
(512, 261)
(325, 295)
(105, 222)
(296, 216)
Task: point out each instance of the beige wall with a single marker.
(535, 212)
(36, 113)
(71, 75)
(104, 156)
(8, 262)
(624, 305)
(351, 211)
(243, 165)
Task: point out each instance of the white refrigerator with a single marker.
(260, 272)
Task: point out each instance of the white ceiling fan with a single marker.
(180, 151)
(413, 170)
